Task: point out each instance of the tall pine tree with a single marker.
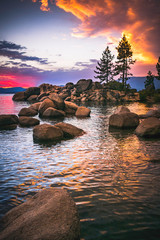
(104, 68)
(149, 83)
(124, 60)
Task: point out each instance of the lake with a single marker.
(113, 176)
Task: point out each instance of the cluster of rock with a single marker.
(83, 91)
(149, 127)
(53, 106)
(50, 214)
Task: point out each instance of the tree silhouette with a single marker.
(149, 83)
(104, 70)
(124, 57)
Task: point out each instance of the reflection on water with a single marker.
(109, 173)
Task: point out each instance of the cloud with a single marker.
(139, 20)
(13, 51)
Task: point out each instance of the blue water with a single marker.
(114, 177)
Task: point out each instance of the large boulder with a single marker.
(70, 107)
(69, 85)
(50, 214)
(83, 85)
(149, 127)
(69, 130)
(123, 118)
(28, 121)
(19, 96)
(47, 132)
(83, 112)
(57, 100)
(8, 121)
(53, 113)
(44, 105)
(27, 112)
(32, 91)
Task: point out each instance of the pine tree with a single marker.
(149, 83)
(158, 69)
(124, 60)
(104, 70)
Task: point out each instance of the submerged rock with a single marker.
(28, 121)
(149, 127)
(69, 130)
(47, 132)
(50, 214)
(8, 122)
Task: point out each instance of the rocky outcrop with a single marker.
(8, 122)
(53, 113)
(47, 132)
(149, 127)
(28, 121)
(50, 214)
(32, 91)
(27, 112)
(32, 98)
(82, 112)
(69, 130)
(123, 118)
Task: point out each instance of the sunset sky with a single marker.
(60, 41)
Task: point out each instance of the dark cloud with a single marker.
(7, 49)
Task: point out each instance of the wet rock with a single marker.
(44, 105)
(19, 96)
(70, 108)
(83, 85)
(83, 112)
(8, 121)
(27, 112)
(28, 121)
(123, 118)
(50, 214)
(69, 130)
(47, 132)
(53, 113)
(149, 127)
(57, 100)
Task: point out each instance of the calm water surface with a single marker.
(113, 176)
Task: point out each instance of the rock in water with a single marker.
(8, 122)
(149, 127)
(57, 100)
(83, 112)
(69, 130)
(47, 132)
(28, 121)
(19, 96)
(50, 214)
(27, 112)
(123, 118)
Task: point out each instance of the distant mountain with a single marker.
(12, 90)
(138, 83)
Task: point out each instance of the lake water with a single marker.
(113, 176)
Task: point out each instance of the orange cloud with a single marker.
(44, 5)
